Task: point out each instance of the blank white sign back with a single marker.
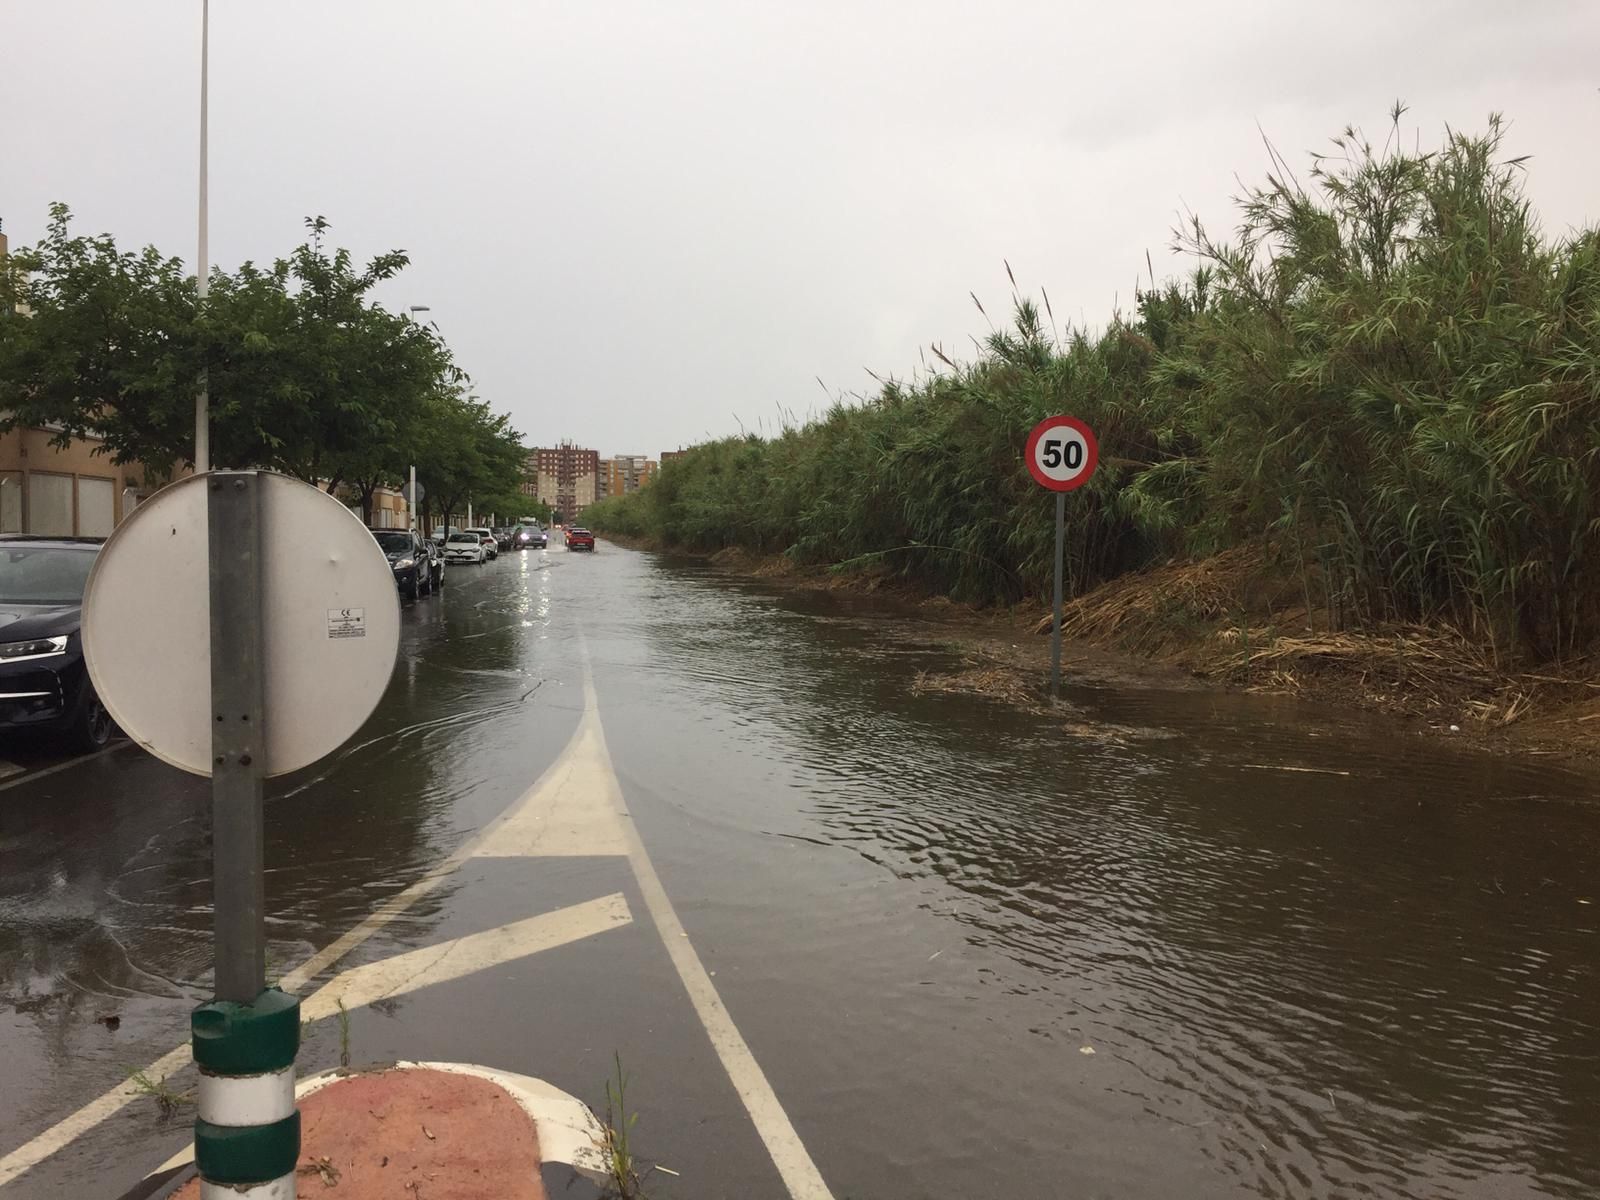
(330, 615)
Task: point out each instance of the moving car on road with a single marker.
(44, 685)
(579, 538)
(408, 559)
(491, 548)
(464, 546)
(529, 537)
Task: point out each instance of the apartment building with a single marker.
(625, 473)
(566, 477)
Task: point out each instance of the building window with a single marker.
(49, 504)
(10, 501)
(97, 511)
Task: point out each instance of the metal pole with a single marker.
(1055, 629)
(411, 500)
(202, 399)
(247, 1130)
(237, 734)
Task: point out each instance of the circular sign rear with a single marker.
(1062, 453)
(330, 624)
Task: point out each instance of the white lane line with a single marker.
(113, 1101)
(7, 769)
(61, 766)
(464, 956)
(788, 1152)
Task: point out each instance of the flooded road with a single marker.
(1184, 945)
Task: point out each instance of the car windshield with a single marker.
(464, 537)
(44, 574)
(394, 543)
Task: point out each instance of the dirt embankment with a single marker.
(1230, 621)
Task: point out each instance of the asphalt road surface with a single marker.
(846, 939)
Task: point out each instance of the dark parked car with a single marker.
(580, 539)
(435, 549)
(502, 536)
(44, 685)
(409, 559)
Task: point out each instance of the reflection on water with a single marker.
(1374, 975)
(105, 871)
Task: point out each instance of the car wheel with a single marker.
(410, 589)
(94, 727)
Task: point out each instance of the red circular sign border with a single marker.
(1090, 441)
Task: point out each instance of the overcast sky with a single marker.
(635, 221)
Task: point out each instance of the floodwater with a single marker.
(1181, 944)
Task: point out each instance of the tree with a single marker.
(306, 374)
(108, 346)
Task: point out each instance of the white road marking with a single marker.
(18, 780)
(550, 818)
(7, 769)
(788, 1152)
(574, 810)
(464, 956)
(87, 1117)
(113, 1101)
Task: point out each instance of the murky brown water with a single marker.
(973, 949)
(1376, 974)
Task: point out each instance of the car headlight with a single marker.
(403, 564)
(34, 648)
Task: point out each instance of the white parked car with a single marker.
(491, 544)
(465, 546)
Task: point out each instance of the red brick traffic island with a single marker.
(414, 1134)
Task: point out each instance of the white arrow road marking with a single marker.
(577, 807)
(573, 810)
(463, 956)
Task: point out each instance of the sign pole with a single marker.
(1061, 455)
(247, 1133)
(1055, 629)
(237, 829)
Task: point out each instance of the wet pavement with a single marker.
(973, 952)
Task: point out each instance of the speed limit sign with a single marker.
(1062, 453)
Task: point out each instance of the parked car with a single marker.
(579, 538)
(529, 537)
(491, 548)
(410, 560)
(435, 549)
(502, 536)
(44, 685)
(464, 546)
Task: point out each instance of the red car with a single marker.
(580, 539)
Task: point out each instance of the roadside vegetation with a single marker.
(1382, 394)
(307, 374)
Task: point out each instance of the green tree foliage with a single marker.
(306, 373)
(1390, 375)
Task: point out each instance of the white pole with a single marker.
(469, 514)
(202, 400)
(411, 504)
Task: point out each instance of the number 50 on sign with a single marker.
(1062, 453)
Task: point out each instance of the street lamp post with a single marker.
(202, 398)
(411, 503)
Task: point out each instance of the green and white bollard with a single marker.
(247, 1136)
